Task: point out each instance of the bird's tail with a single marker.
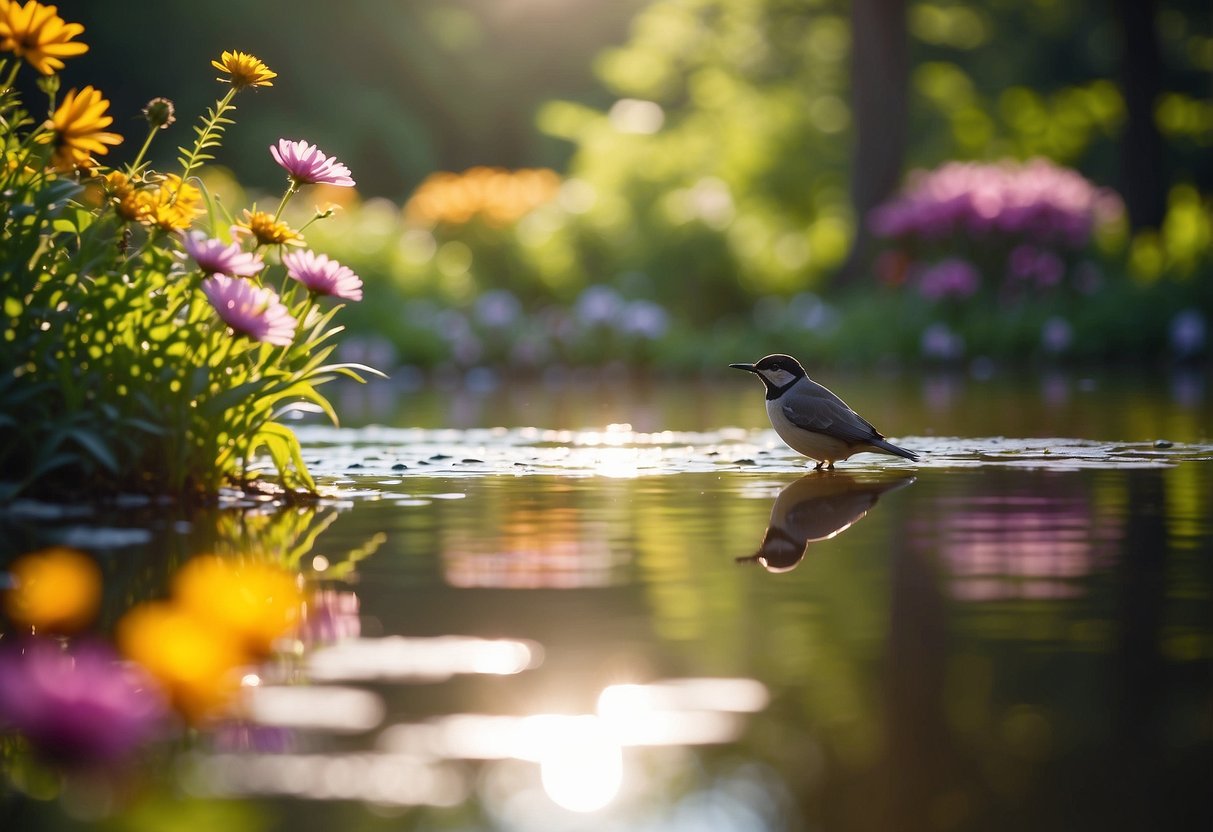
(887, 447)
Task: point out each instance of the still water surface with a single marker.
(594, 608)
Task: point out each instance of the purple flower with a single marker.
(953, 277)
(322, 275)
(1028, 262)
(250, 310)
(645, 319)
(77, 706)
(213, 257)
(941, 343)
(1056, 335)
(1035, 200)
(1188, 333)
(308, 166)
(599, 304)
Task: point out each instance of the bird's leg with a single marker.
(817, 467)
(831, 465)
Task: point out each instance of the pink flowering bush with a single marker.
(152, 342)
(1006, 228)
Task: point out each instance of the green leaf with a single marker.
(285, 452)
(96, 448)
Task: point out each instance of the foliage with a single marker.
(118, 374)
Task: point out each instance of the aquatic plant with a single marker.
(151, 342)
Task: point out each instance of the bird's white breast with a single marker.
(813, 445)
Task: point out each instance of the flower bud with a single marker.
(159, 113)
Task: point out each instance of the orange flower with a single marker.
(79, 129)
(198, 667)
(56, 589)
(497, 196)
(39, 35)
(254, 603)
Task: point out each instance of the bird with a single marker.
(811, 419)
(817, 507)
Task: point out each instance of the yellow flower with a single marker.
(244, 70)
(39, 35)
(79, 129)
(175, 204)
(196, 665)
(56, 589)
(132, 203)
(254, 603)
(267, 230)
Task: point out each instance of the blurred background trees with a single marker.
(717, 159)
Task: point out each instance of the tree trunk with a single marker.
(1143, 178)
(879, 104)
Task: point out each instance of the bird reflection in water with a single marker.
(817, 507)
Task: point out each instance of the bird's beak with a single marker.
(749, 368)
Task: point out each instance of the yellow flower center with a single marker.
(268, 231)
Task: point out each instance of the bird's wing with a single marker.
(817, 409)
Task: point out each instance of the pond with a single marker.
(590, 604)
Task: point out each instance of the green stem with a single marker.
(12, 77)
(134, 166)
(291, 190)
(211, 127)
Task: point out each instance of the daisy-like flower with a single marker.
(175, 203)
(323, 276)
(78, 129)
(250, 310)
(308, 166)
(244, 70)
(213, 257)
(37, 34)
(266, 230)
(131, 202)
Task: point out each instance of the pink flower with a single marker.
(322, 275)
(308, 166)
(250, 310)
(213, 257)
(79, 705)
(1034, 201)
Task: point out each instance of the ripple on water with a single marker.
(618, 451)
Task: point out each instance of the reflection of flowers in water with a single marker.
(55, 590)
(330, 616)
(224, 614)
(1025, 547)
(80, 704)
(552, 549)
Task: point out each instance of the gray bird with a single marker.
(812, 420)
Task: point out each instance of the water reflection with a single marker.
(1018, 641)
(817, 507)
(1022, 546)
